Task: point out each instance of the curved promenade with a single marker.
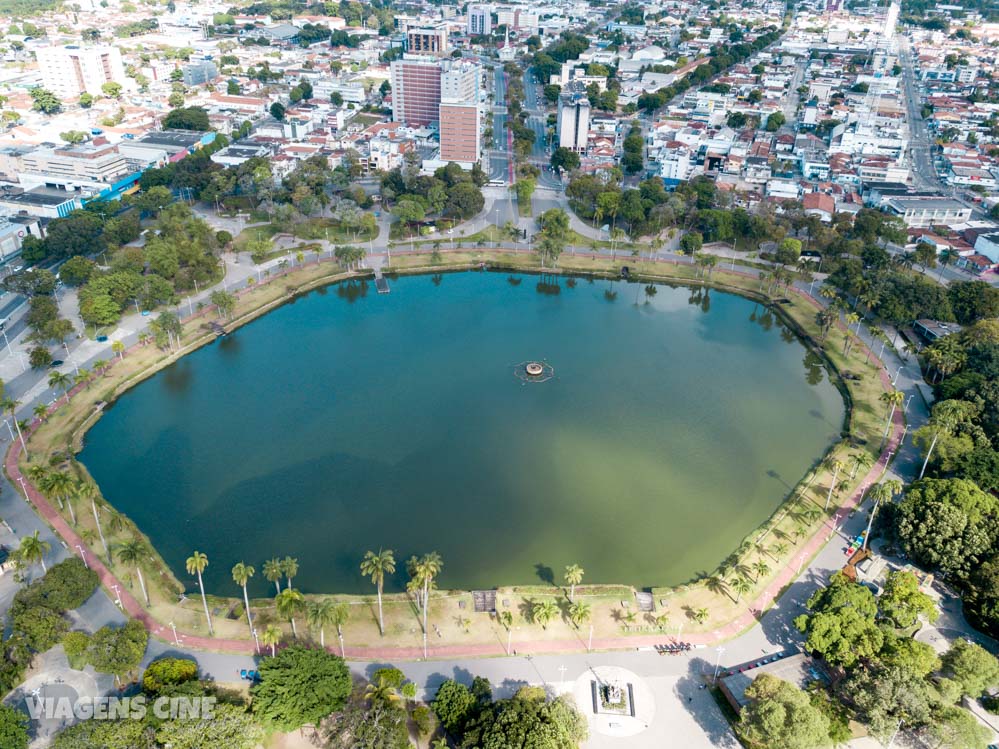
(754, 609)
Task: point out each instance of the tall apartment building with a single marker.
(427, 41)
(573, 120)
(480, 20)
(69, 71)
(459, 112)
(416, 90)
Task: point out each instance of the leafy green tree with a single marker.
(76, 271)
(230, 726)
(904, 651)
(168, 672)
(44, 101)
(775, 121)
(948, 524)
(781, 716)
(118, 650)
(187, 118)
(565, 159)
(111, 90)
(691, 243)
(841, 626)
(277, 110)
(528, 719)
(971, 666)
(884, 696)
(86, 100)
(13, 728)
(453, 705)
(298, 686)
(954, 728)
(902, 602)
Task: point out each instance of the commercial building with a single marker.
(921, 211)
(69, 71)
(427, 41)
(480, 20)
(41, 202)
(72, 166)
(573, 120)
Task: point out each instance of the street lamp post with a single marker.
(256, 642)
(907, 401)
(83, 556)
(589, 644)
(719, 650)
(897, 373)
(176, 640)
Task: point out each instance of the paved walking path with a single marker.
(747, 619)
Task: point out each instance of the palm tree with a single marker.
(340, 615)
(319, 615)
(132, 552)
(60, 380)
(10, 406)
(836, 465)
(60, 485)
(741, 586)
(241, 574)
(761, 569)
(271, 637)
(860, 460)
(86, 491)
(894, 399)
(573, 577)
(289, 567)
(382, 691)
(701, 615)
(41, 411)
(273, 572)
(83, 377)
(543, 612)
(289, 602)
(99, 366)
(716, 585)
(33, 550)
(882, 492)
(424, 570)
(376, 566)
(196, 564)
(945, 417)
(579, 612)
(779, 550)
(119, 348)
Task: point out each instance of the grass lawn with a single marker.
(613, 612)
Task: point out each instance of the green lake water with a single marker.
(350, 420)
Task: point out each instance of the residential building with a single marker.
(427, 41)
(480, 20)
(459, 112)
(70, 70)
(416, 90)
(199, 73)
(573, 120)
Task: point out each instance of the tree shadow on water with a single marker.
(545, 573)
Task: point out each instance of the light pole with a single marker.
(176, 639)
(897, 373)
(6, 341)
(117, 596)
(719, 650)
(256, 642)
(589, 645)
(9, 429)
(83, 556)
(907, 400)
(897, 729)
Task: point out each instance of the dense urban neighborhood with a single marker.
(273, 479)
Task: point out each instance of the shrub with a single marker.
(168, 672)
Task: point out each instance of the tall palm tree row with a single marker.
(241, 574)
(273, 571)
(289, 604)
(132, 552)
(196, 564)
(377, 566)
